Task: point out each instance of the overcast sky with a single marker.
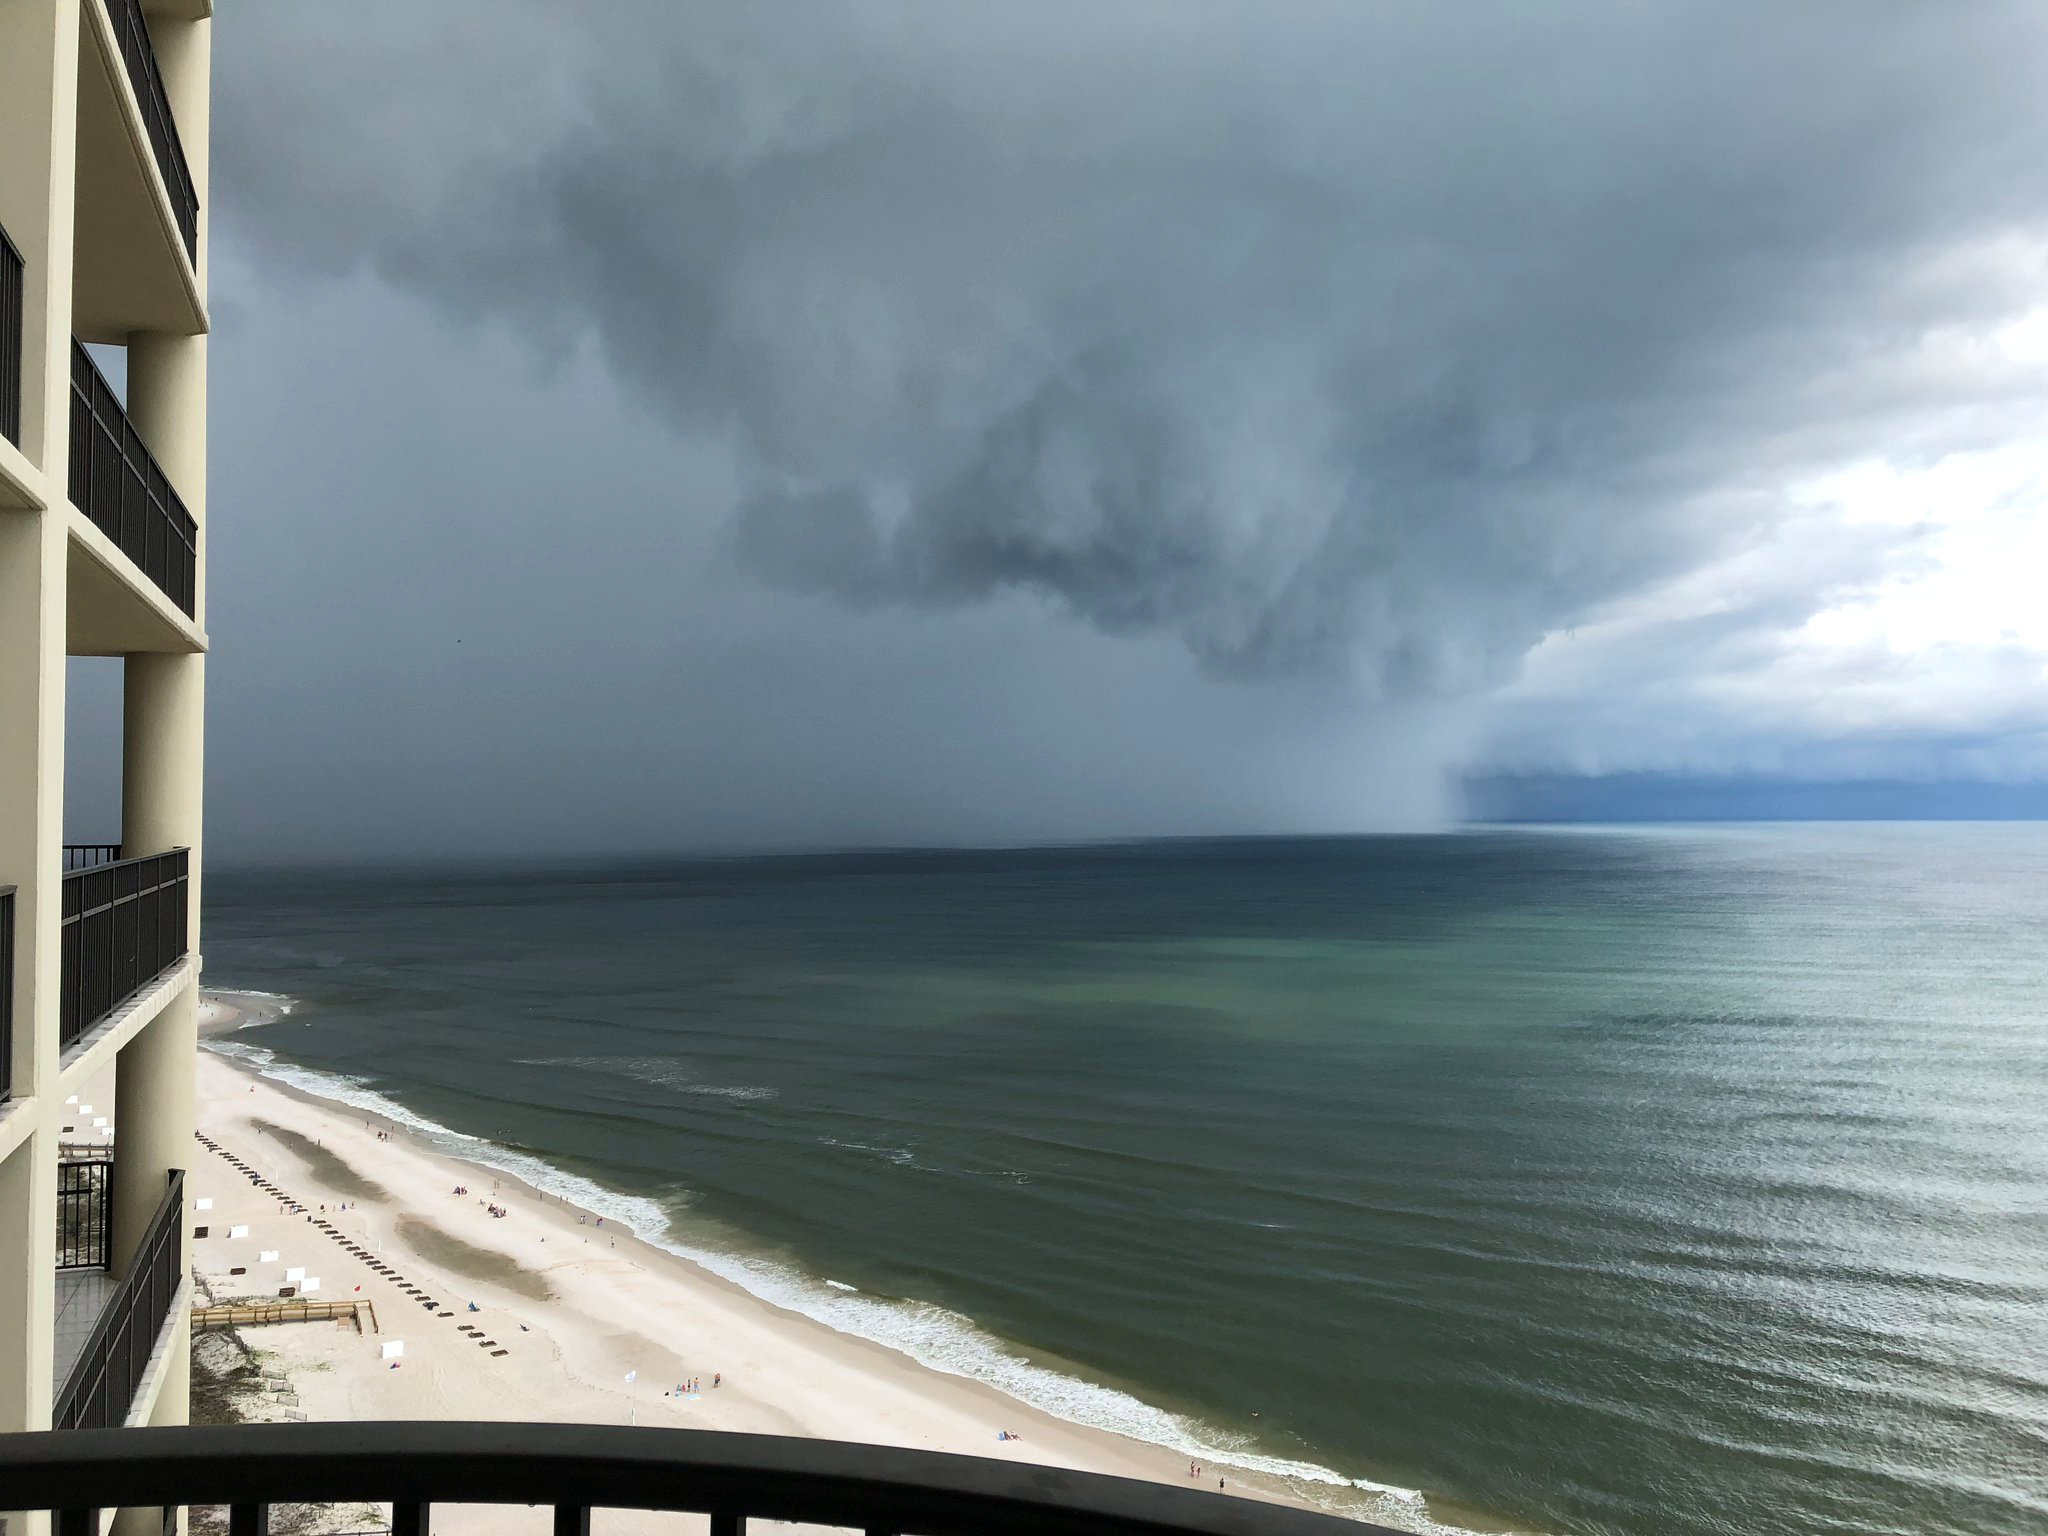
(670, 424)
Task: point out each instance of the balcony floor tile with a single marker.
(82, 1294)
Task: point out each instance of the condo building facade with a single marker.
(103, 252)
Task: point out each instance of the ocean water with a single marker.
(1652, 1182)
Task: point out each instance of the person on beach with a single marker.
(716, 1378)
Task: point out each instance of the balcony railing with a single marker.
(133, 32)
(579, 1467)
(102, 1385)
(117, 483)
(85, 1210)
(10, 340)
(6, 992)
(122, 925)
(89, 855)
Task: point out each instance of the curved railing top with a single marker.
(603, 1466)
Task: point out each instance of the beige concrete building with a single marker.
(103, 175)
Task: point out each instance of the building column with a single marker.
(163, 760)
(154, 1100)
(155, 1097)
(163, 750)
(32, 554)
(38, 166)
(28, 1204)
(167, 403)
(32, 619)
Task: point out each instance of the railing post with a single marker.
(572, 1520)
(727, 1522)
(249, 1520)
(11, 292)
(409, 1519)
(6, 992)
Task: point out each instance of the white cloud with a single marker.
(1892, 618)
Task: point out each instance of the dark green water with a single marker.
(1658, 1181)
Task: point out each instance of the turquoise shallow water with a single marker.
(1645, 1181)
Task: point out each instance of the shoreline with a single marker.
(226, 1010)
(357, 1132)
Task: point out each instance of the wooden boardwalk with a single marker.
(247, 1314)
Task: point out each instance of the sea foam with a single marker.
(284, 1004)
(671, 1072)
(934, 1336)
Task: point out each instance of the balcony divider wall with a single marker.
(115, 480)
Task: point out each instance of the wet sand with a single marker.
(325, 1167)
(470, 1261)
(615, 1308)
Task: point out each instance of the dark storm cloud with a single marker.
(643, 425)
(1370, 341)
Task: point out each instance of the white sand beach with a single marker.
(567, 1309)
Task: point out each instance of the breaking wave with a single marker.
(934, 1336)
(672, 1072)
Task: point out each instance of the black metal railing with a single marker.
(116, 481)
(579, 1467)
(133, 32)
(85, 1212)
(89, 855)
(11, 276)
(122, 924)
(6, 992)
(102, 1384)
